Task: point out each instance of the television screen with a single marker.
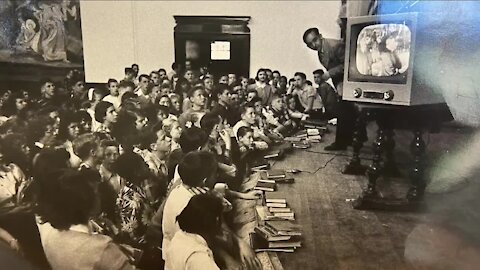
(380, 52)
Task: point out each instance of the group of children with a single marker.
(141, 173)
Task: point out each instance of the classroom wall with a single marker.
(117, 34)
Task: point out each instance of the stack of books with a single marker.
(304, 137)
(277, 236)
(266, 239)
(277, 207)
(311, 123)
(274, 208)
(284, 227)
(276, 176)
(313, 135)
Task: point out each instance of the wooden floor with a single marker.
(335, 235)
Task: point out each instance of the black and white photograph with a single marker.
(383, 50)
(239, 135)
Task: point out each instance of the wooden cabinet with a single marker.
(220, 42)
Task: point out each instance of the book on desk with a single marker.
(259, 243)
(276, 176)
(266, 186)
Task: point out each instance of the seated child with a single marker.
(87, 148)
(155, 148)
(195, 113)
(162, 113)
(251, 94)
(113, 97)
(248, 116)
(278, 118)
(165, 101)
(175, 100)
(106, 116)
(196, 169)
(199, 224)
(295, 114)
(173, 130)
(261, 121)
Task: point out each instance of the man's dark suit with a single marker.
(332, 56)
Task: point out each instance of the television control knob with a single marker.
(388, 95)
(357, 92)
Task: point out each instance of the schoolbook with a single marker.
(301, 145)
(270, 236)
(283, 177)
(316, 137)
(259, 165)
(301, 134)
(276, 204)
(273, 154)
(266, 180)
(292, 139)
(259, 243)
(273, 174)
(317, 124)
(284, 227)
(284, 215)
(279, 209)
(276, 197)
(266, 186)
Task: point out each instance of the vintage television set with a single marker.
(381, 56)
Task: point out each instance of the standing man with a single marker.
(331, 54)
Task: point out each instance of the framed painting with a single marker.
(39, 37)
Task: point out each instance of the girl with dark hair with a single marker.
(136, 203)
(86, 121)
(106, 115)
(67, 200)
(199, 223)
(264, 90)
(15, 105)
(68, 130)
(42, 132)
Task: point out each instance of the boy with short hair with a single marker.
(248, 116)
(87, 148)
(113, 97)
(327, 94)
(308, 96)
(195, 113)
(129, 74)
(278, 118)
